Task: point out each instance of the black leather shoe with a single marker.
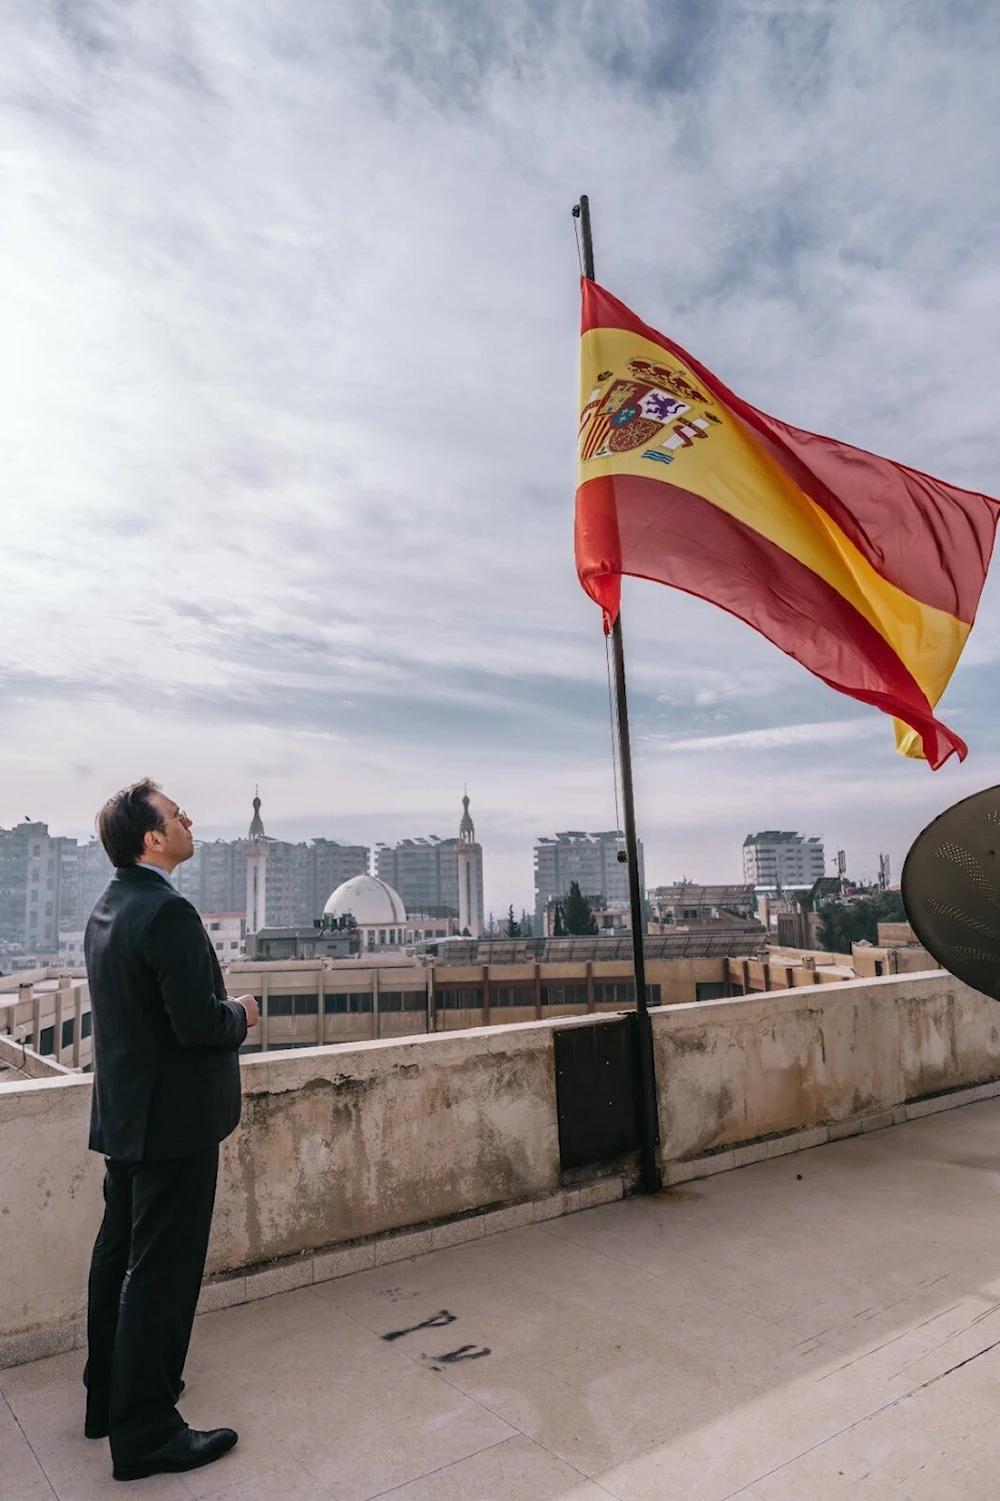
(98, 1428)
(187, 1450)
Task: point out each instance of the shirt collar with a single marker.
(142, 865)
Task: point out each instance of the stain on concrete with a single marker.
(464, 1352)
(436, 1321)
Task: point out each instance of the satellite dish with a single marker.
(951, 890)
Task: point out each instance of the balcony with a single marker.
(412, 1294)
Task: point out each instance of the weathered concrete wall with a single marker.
(732, 1071)
(50, 1195)
(333, 1146)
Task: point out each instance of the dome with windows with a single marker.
(369, 901)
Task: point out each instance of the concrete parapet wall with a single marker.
(732, 1071)
(407, 1141)
(335, 1145)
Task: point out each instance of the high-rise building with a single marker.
(86, 870)
(299, 876)
(31, 885)
(425, 872)
(214, 878)
(776, 859)
(589, 859)
(330, 865)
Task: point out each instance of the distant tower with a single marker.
(256, 870)
(470, 875)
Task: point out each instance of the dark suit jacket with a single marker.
(166, 1039)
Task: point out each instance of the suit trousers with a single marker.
(145, 1276)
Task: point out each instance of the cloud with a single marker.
(288, 390)
(833, 733)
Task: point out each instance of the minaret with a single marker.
(256, 870)
(470, 875)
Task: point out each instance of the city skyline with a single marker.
(340, 396)
(513, 884)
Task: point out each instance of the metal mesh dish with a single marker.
(951, 890)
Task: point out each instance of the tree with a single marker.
(844, 923)
(558, 926)
(513, 928)
(527, 924)
(578, 917)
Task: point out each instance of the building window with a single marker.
(86, 1024)
(381, 937)
(454, 999)
(306, 1005)
(234, 944)
(512, 995)
(341, 1005)
(564, 995)
(709, 990)
(280, 1005)
(46, 1041)
(68, 1028)
(219, 947)
(402, 1000)
(213, 927)
(622, 993)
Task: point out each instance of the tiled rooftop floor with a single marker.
(759, 1334)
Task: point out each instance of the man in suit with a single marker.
(166, 1092)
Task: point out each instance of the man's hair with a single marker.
(126, 819)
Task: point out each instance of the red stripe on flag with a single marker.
(655, 530)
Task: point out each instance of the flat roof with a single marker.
(824, 1324)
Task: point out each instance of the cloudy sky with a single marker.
(289, 400)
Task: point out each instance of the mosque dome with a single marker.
(368, 900)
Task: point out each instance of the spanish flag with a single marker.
(866, 572)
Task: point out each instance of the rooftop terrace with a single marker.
(427, 1276)
(823, 1324)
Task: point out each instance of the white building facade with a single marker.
(776, 859)
(227, 933)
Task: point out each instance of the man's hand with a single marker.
(249, 1004)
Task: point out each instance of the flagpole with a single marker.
(649, 1174)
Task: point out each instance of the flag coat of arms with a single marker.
(865, 571)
